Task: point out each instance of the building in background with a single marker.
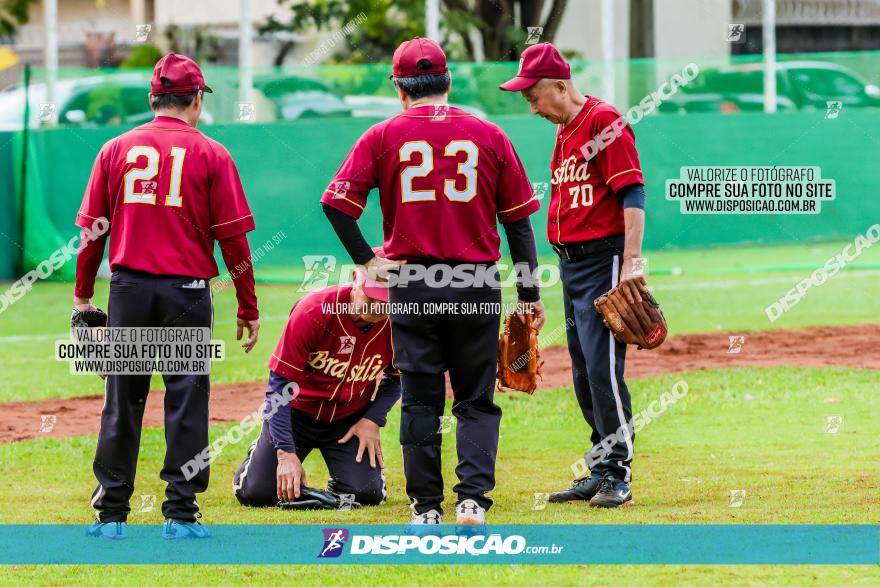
(101, 33)
(809, 26)
(95, 33)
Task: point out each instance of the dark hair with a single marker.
(175, 101)
(421, 86)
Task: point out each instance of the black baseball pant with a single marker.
(597, 359)
(426, 345)
(255, 482)
(142, 300)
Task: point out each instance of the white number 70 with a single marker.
(586, 195)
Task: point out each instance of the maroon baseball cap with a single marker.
(541, 61)
(177, 74)
(410, 54)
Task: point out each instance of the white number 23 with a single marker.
(467, 168)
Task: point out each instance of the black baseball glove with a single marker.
(318, 499)
(88, 319)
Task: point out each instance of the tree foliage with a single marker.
(379, 26)
(143, 57)
(13, 14)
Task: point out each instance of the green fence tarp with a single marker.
(286, 166)
(10, 235)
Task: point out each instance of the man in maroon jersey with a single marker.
(595, 224)
(444, 178)
(335, 348)
(169, 193)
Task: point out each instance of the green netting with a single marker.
(624, 82)
(286, 165)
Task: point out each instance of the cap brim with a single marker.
(376, 292)
(519, 84)
(371, 287)
(208, 90)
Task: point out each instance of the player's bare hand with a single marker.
(290, 474)
(379, 267)
(632, 288)
(535, 309)
(367, 433)
(253, 327)
(83, 304)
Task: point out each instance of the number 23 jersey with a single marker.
(444, 176)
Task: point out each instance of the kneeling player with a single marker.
(336, 345)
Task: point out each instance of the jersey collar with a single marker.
(170, 120)
(575, 122)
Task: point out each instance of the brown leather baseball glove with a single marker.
(519, 359)
(632, 314)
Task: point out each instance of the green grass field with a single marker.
(758, 430)
(722, 289)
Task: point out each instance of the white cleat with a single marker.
(470, 513)
(429, 518)
(426, 523)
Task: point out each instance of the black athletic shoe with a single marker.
(612, 493)
(581, 490)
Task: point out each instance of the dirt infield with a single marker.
(851, 346)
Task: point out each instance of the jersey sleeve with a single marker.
(230, 213)
(619, 161)
(96, 201)
(304, 330)
(515, 198)
(354, 179)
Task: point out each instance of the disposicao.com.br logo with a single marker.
(454, 544)
(334, 540)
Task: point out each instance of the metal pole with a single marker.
(138, 11)
(22, 196)
(608, 49)
(432, 19)
(245, 60)
(769, 33)
(50, 11)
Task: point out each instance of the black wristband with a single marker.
(633, 196)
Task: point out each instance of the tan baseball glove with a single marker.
(519, 358)
(632, 314)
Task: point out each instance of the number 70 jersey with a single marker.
(443, 176)
(583, 201)
(169, 192)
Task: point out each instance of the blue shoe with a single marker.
(178, 530)
(108, 530)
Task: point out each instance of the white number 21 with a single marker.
(146, 175)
